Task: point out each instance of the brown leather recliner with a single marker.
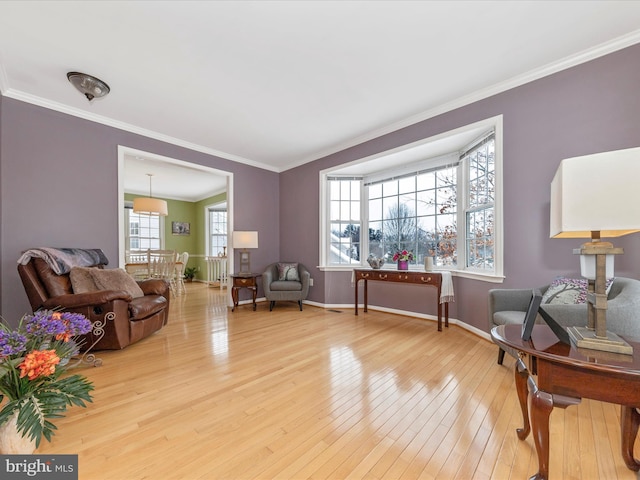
(125, 319)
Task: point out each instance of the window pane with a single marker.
(217, 232)
(375, 191)
(390, 188)
(390, 207)
(426, 202)
(426, 181)
(376, 245)
(344, 221)
(144, 231)
(480, 239)
(375, 209)
(480, 215)
(407, 185)
(334, 213)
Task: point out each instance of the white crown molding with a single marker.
(590, 54)
(544, 71)
(41, 102)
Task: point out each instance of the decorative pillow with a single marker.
(116, 279)
(569, 291)
(81, 280)
(288, 271)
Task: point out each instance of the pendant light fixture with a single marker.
(149, 205)
(91, 87)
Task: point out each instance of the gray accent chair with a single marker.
(508, 306)
(285, 290)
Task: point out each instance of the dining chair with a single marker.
(137, 265)
(181, 264)
(162, 264)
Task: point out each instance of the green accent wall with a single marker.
(194, 243)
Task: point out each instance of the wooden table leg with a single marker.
(629, 423)
(234, 297)
(446, 314)
(541, 405)
(439, 316)
(366, 295)
(522, 375)
(255, 294)
(356, 296)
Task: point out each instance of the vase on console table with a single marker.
(375, 262)
(403, 264)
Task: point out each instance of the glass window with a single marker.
(479, 214)
(445, 203)
(217, 231)
(344, 221)
(144, 231)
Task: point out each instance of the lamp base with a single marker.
(584, 337)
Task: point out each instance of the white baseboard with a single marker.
(407, 313)
(422, 316)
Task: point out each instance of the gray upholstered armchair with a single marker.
(285, 281)
(507, 306)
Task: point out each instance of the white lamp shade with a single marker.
(150, 206)
(597, 192)
(244, 239)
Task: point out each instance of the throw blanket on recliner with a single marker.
(61, 260)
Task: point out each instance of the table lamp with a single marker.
(244, 240)
(597, 196)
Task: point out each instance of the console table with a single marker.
(432, 279)
(566, 374)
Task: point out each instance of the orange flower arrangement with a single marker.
(39, 363)
(32, 371)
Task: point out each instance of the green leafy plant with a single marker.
(33, 363)
(190, 272)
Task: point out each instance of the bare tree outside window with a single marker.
(480, 218)
(420, 216)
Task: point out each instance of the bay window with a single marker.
(443, 207)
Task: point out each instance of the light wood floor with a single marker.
(318, 394)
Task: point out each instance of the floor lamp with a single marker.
(597, 196)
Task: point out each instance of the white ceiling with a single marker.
(276, 84)
(170, 178)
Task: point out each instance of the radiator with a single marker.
(217, 271)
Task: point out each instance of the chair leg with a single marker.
(500, 356)
(271, 304)
(300, 304)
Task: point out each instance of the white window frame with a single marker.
(495, 124)
(127, 217)
(216, 207)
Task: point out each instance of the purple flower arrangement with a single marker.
(33, 361)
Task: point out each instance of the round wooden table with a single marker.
(566, 374)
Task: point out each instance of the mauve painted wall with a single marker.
(590, 108)
(58, 187)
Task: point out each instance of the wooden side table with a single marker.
(244, 280)
(565, 375)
